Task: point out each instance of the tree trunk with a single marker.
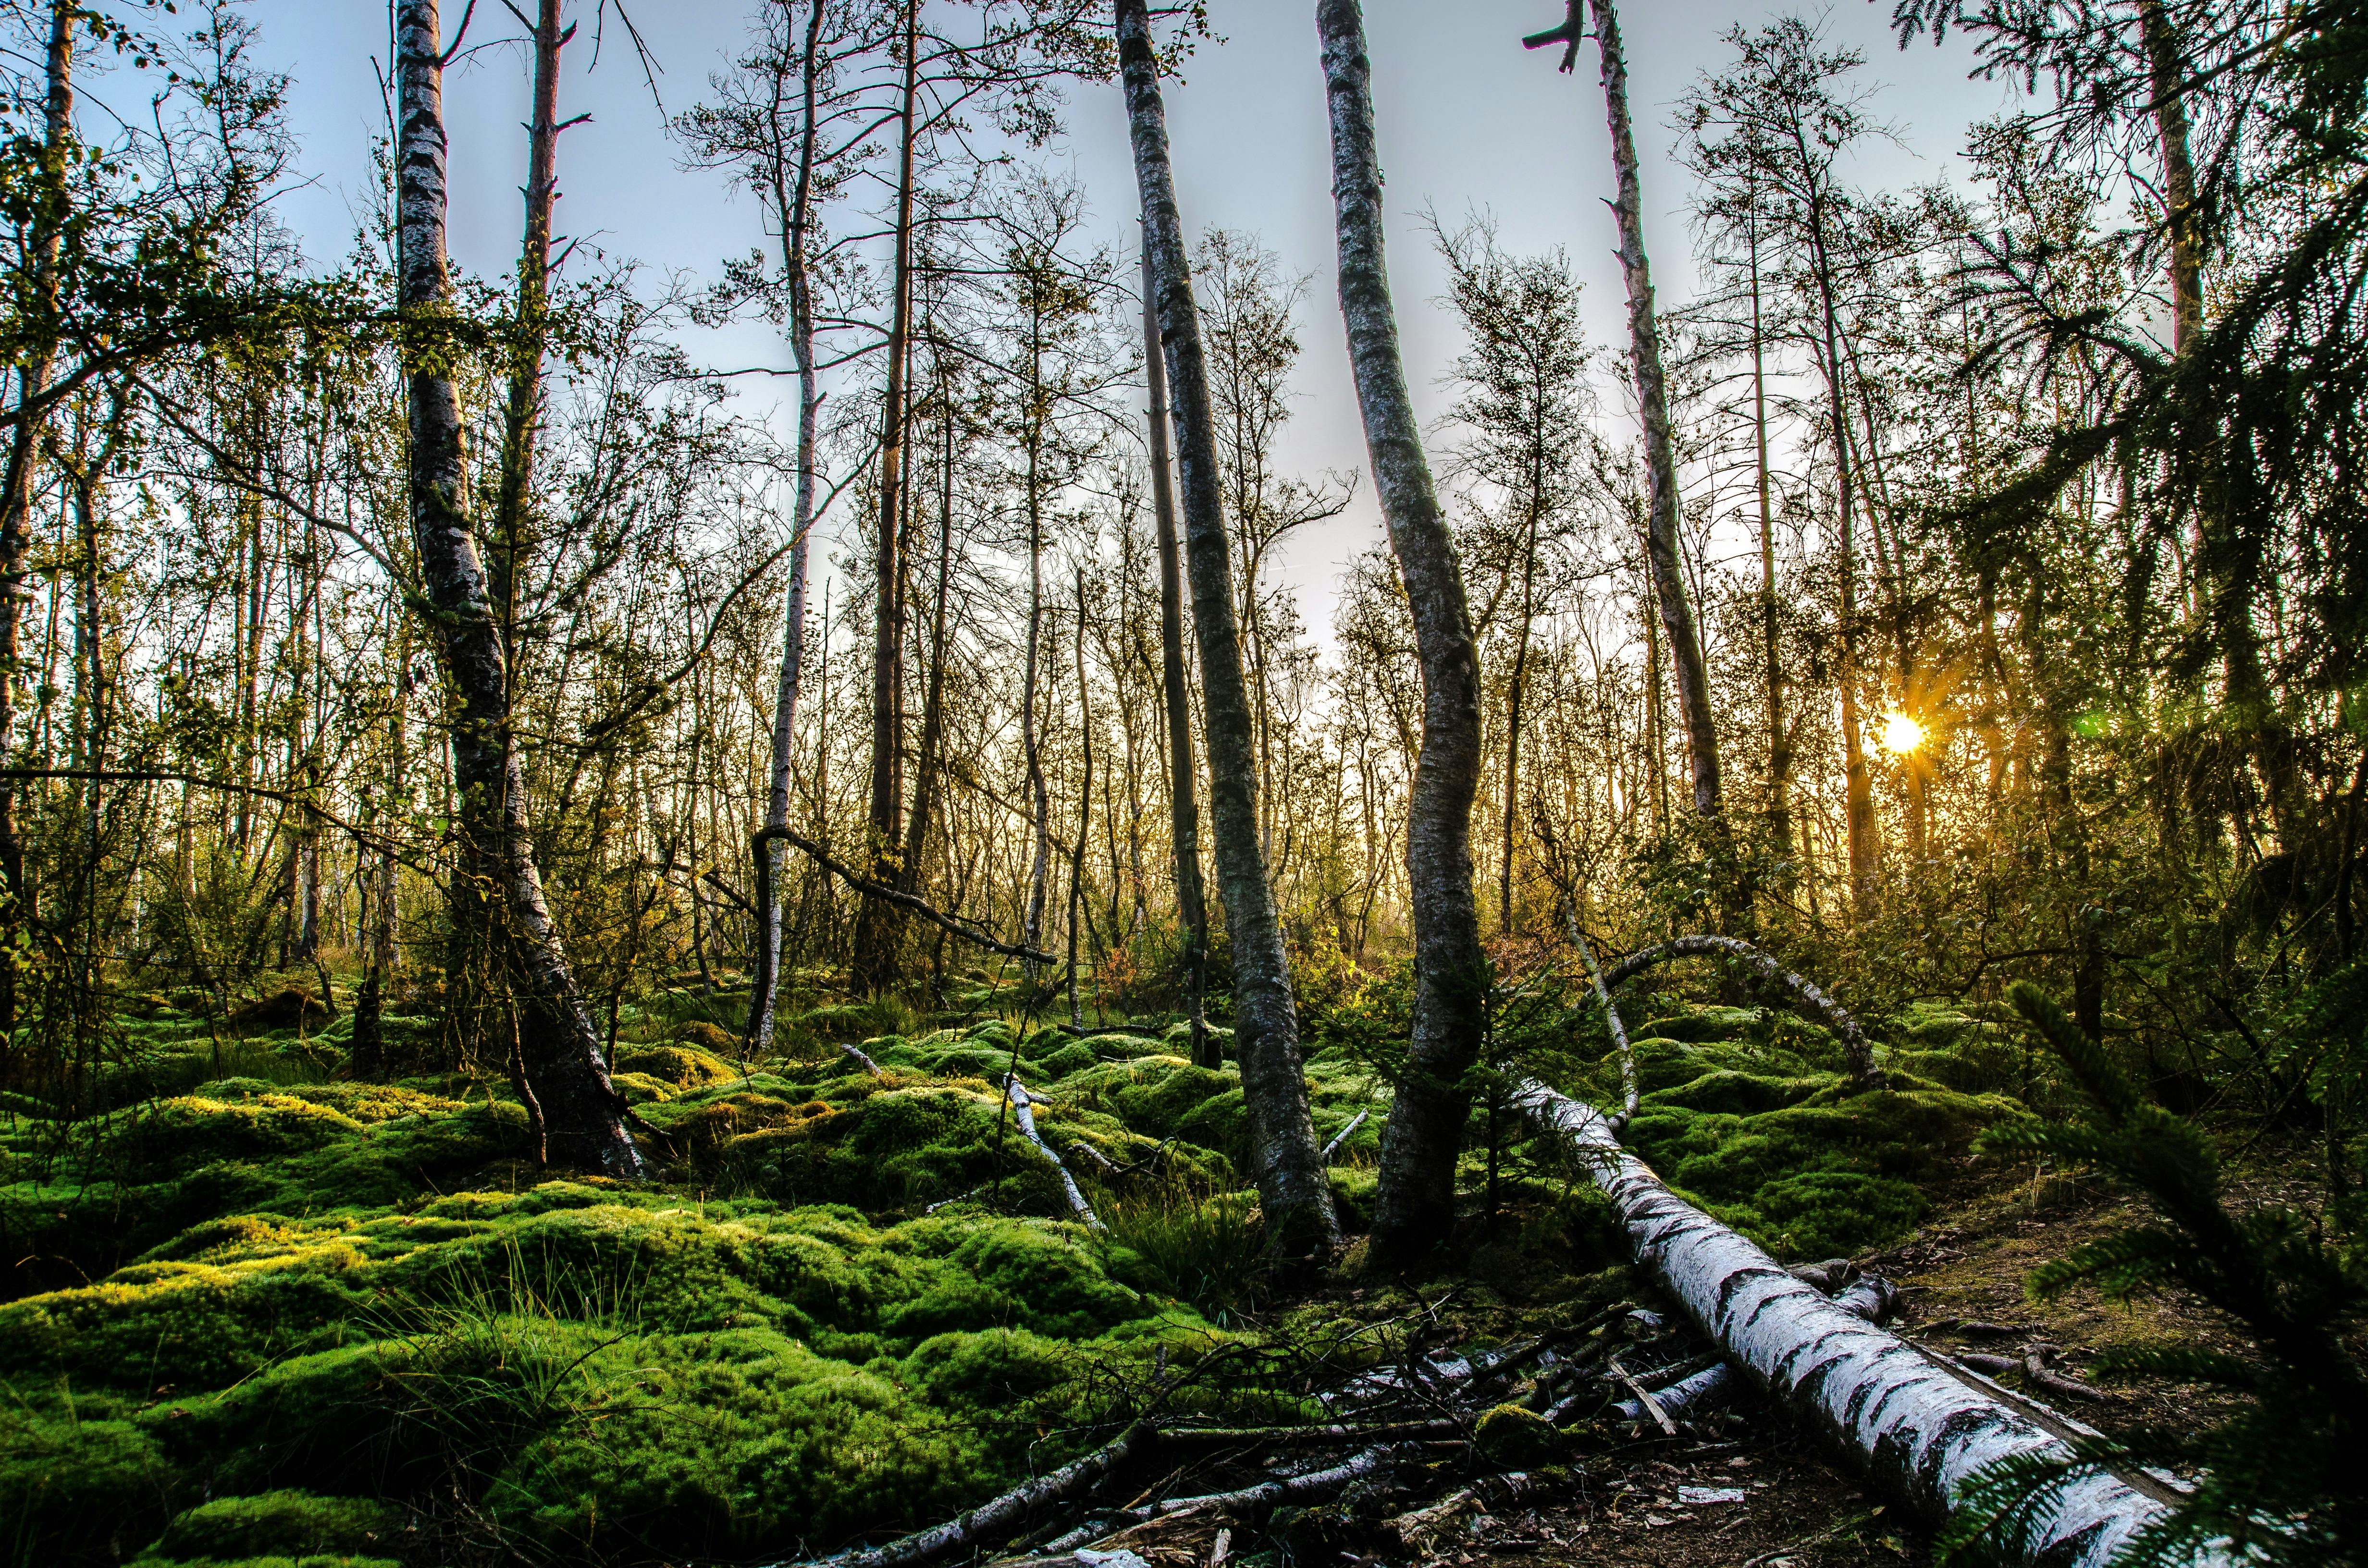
(792, 205)
(1293, 1192)
(1515, 690)
(1183, 807)
(933, 699)
(16, 485)
(1031, 739)
(1922, 1429)
(1414, 1202)
(1084, 805)
(378, 938)
(878, 928)
(1686, 666)
(2166, 79)
(558, 1052)
(1779, 736)
(1865, 842)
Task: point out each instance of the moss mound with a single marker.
(1747, 1112)
(680, 1066)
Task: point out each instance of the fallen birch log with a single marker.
(1922, 1432)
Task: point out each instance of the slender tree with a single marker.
(1183, 805)
(1686, 668)
(1413, 1200)
(1293, 1192)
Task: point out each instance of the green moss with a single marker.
(1809, 1168)
(79, 1485)
(285, 1523)
(682, 1066)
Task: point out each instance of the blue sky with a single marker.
(1467, 120)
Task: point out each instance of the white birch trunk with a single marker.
(1921, 1430)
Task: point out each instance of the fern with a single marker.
(2282, 1480)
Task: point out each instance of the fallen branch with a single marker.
(901, 899)
(998, 1516)
(1342, 1136)
(863, 1059)
(1337, 1435)
(1270, 1494)
(1023, 1109)
(2036, 1371)
(1922, 1433)
(1835, 1016)
(1419, 1528)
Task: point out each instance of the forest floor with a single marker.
(254, 1312)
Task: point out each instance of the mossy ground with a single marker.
(264, 1315)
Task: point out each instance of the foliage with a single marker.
(2276, 1481)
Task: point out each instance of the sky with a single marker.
(1468, 122)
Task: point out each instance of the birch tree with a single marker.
(565, 1079)
(1414, 1199)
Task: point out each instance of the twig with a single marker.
(1836, 1017)
(920, 906)
(1644, 1397)
(1342, 1136)
(998, 1516)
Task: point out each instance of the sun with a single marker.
(1901, 735)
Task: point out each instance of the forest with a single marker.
(607, 958)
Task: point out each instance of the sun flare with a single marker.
(1901, 735)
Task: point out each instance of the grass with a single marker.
(1199, 1246)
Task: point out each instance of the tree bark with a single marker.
(1686, 668)
(559, 1053)
(16, 485)
(1414, 1202)
(794, 206)
(1183, 805)
(878, 928)
(1293, 1192)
